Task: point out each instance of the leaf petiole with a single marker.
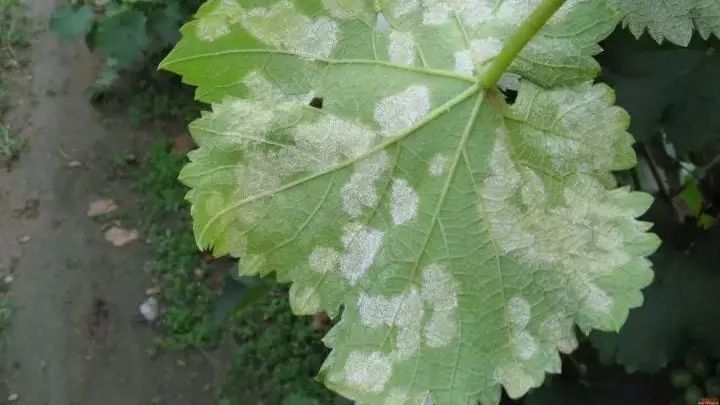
(517, 42)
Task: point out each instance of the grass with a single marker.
(6, 312)
(178, 266)
(10, 146)
(278, 355)
(13, 33)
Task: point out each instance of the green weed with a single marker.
(10, 146)
(178, 266)
(158, 182)
(278, 355)
(13, 33)
(6, 312)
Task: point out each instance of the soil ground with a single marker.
(76, 336)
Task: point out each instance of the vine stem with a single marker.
(527, 30)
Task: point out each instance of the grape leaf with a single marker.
(666, 88)
(680, 311)
(123, 36)
(672, 20)
(351, 151)
(70, 22)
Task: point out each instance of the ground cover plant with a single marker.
(462, 217)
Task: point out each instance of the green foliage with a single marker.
(178, 267)
(6, 313)
(658, 332)
(666, 88)
(157, 180)
(128, 32)
(674, 20)
(13, 32)
(71, 22)
(412, 204)
(122, 36)
(10, 146)
(277, 355)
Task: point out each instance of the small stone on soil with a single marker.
(101, 207)
(120, 236)
(150, 309)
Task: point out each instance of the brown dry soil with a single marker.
(76, 336)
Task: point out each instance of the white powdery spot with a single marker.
(401, 48)
(515, 11)
(437, 12)
(560, 332)
(381, 23)
(463, 63)
(399, 8)
(515, 380)
(324, 260)
(440, 290)
(473, 12)
(438, 165)
(533, 190)
(403, 311)
(211, 28)
(404, 202)
(299, 33)
(240, 120)
(407, 343)
(562, 13)
(441, 329)
(397, 397)
(377, 310)
(359, 191)
(597, 299)
(361, 245)
(525, 345)
(261, 88)
(329, 140)
(250, 264)
(483, 50)
(216, 24)
(367, 371)
(345, 9)
(410, 311)
(509, 81)
(401, 111)
(303, 300)
(518, 312)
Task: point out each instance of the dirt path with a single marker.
(76, 337)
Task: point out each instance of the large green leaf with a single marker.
(666, 88)
(462, 237)
(680, 311)
(70, 22)
(123, 36)
(672, 20)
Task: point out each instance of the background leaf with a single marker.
(71, 22)
(680, 311)
(666, 88)
(123, 36)
(671, 20)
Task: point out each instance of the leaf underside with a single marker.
(671, 20)
(463, 238)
